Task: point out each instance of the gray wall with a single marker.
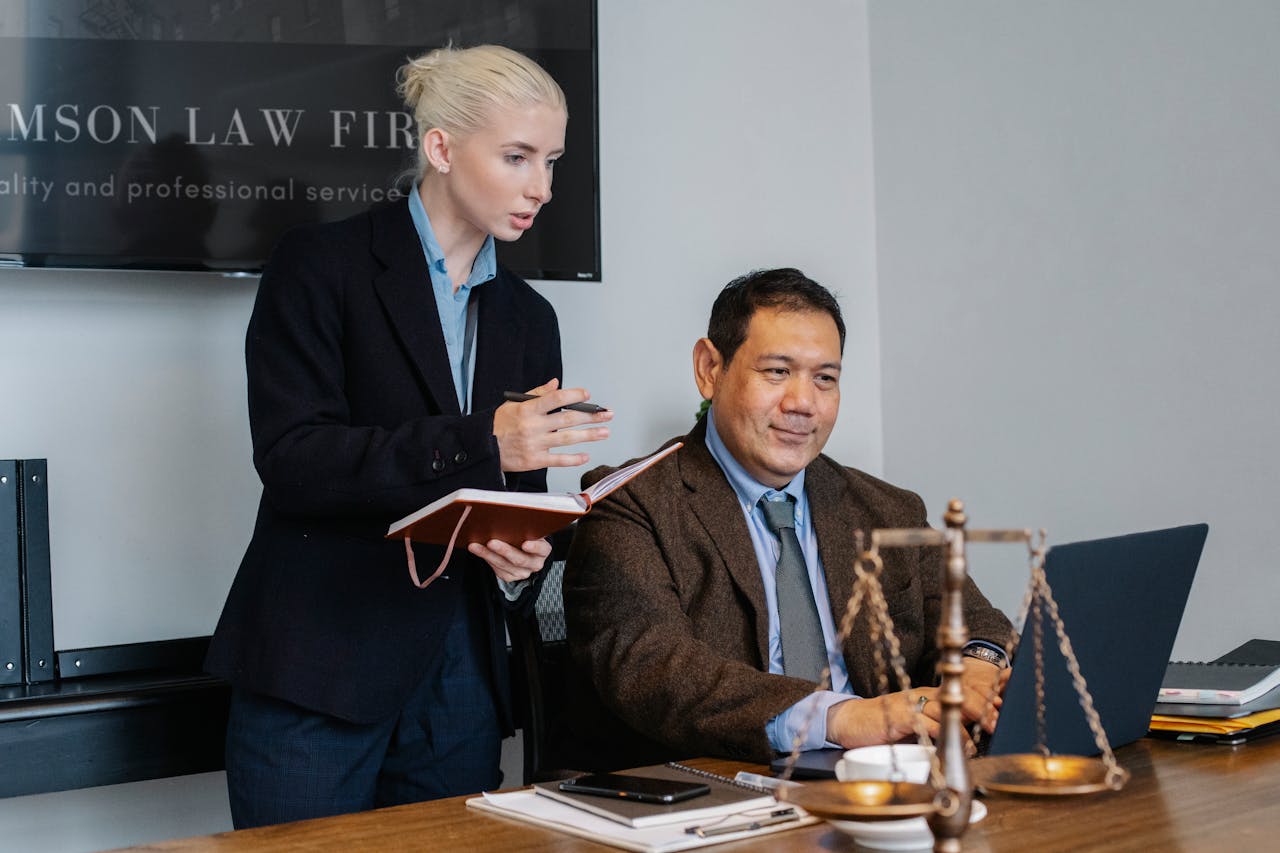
(1078, 245)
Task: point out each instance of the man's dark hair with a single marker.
(786, 288)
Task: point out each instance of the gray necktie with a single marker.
(804, 651)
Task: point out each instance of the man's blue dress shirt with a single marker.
(783, 728)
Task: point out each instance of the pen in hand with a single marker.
(589, 408)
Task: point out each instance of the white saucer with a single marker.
(910, 834)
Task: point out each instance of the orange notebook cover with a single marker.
(512, 517)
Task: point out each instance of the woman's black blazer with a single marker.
(355, 424)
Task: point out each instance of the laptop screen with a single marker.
(1121, 600)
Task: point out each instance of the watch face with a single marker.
(986, 654)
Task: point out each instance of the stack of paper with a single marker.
(1248, 712)
(544, 811)
(1224, 730)
(731, 812)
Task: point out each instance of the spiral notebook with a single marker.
(1212, 683)
(1264, 652)
(1224, 723)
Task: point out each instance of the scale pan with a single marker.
(1038, 775)
(866, 800)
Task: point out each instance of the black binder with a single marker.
(11, 668)
(26, 594)
(37, 590)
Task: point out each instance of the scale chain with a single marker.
(1116, 775)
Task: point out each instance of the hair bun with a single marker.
(456, 89)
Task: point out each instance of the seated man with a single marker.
(691, 605)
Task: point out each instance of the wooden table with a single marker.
(1192, 797)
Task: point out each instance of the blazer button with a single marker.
(437, 465)
(460, 457)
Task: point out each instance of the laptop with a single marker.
(1121, 600)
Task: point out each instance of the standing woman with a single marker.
(377, 355)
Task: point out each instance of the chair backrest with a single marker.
(541, 675)
(549, 608)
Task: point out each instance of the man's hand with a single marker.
(510, 563)
(526, 433)
(888, 718)
(984, 683)
(881, 719)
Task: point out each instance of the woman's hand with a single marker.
(510, 563)
(526, 432)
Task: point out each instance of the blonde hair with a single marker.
(455, 89)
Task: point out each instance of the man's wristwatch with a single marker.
(987, 654)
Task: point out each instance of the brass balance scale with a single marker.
(946, 799)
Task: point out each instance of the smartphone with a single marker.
(641, 788)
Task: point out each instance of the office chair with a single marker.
(540, 674)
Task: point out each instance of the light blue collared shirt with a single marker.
(453, 305)
(783, 728)
(453, 319)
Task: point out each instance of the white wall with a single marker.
(132, 385)
(735, 134)
(1078, 241)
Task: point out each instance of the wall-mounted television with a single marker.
(189, 134)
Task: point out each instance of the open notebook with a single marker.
(465, 516)
(509, 516)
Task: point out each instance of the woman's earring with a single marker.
(443, 169)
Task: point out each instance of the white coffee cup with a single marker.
(877, 763)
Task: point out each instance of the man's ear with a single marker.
(707, 366)
(435, 145)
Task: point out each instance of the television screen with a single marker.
(189, 134)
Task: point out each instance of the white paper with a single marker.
(544, 811)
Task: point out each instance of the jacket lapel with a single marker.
(499, 333)
(835, 519)
(715, 504)
(404, 287)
